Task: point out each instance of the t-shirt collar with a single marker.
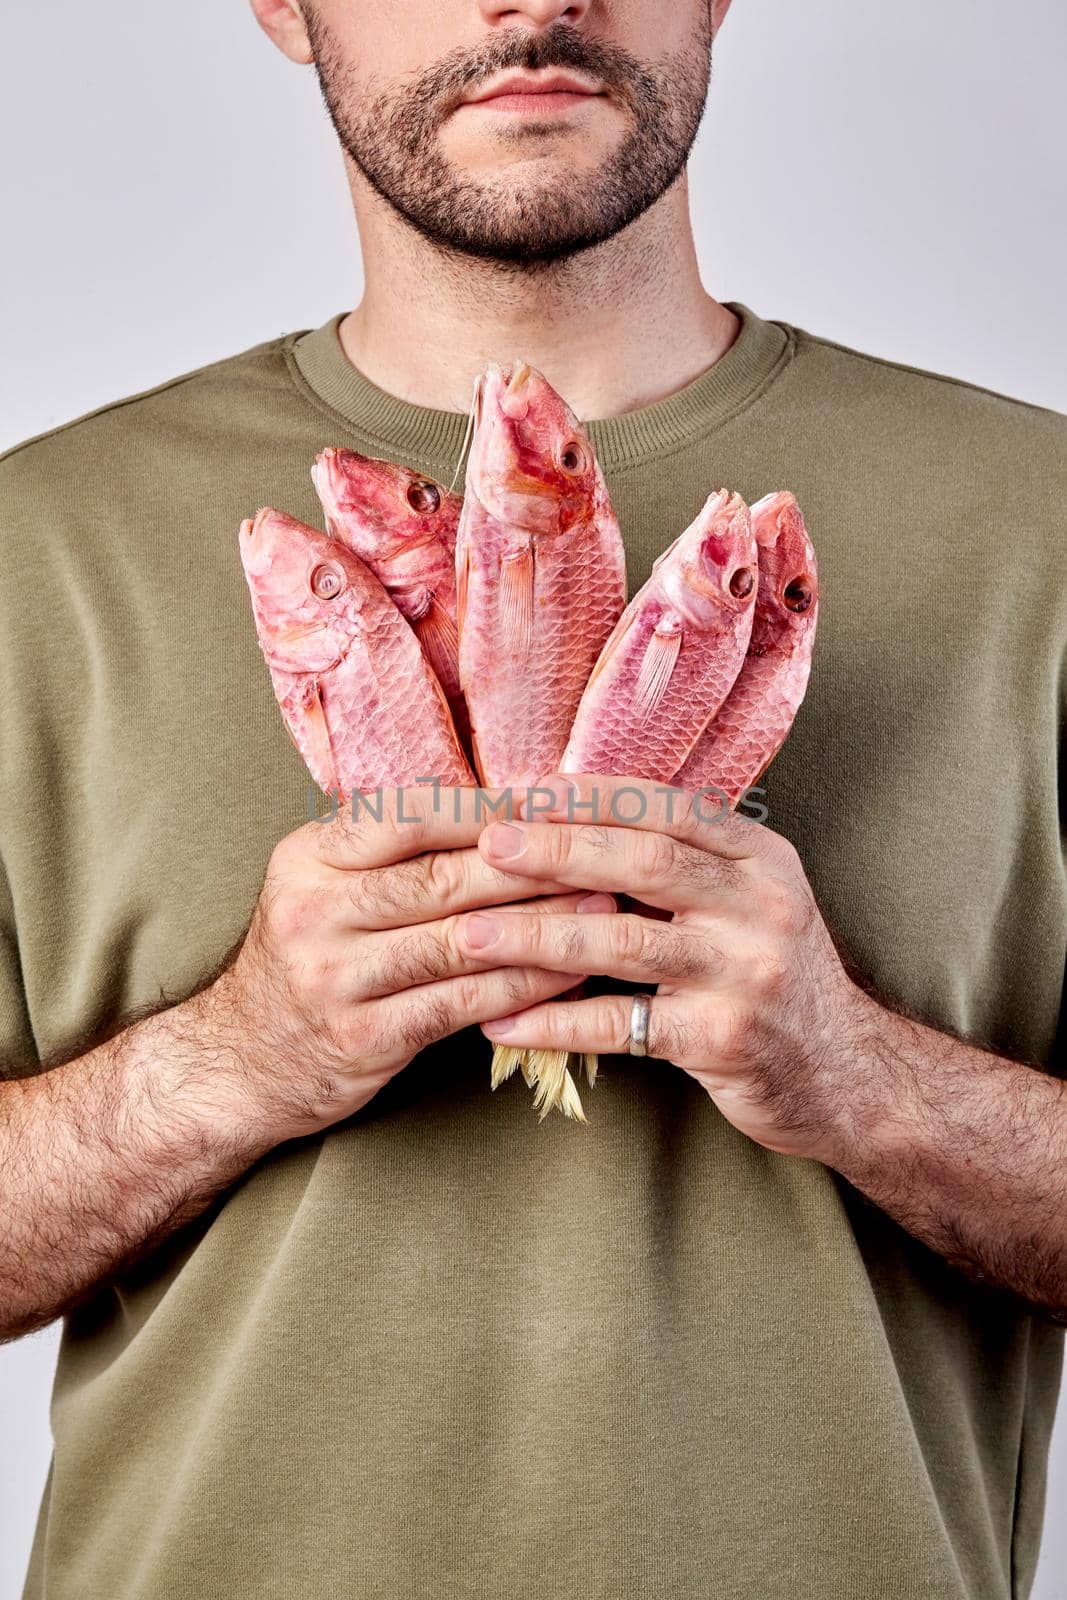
(425, 437)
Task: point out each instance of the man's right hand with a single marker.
(351, 966)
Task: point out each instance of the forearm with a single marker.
(103, 1157)
(967, 1151)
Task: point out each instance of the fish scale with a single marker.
(674, 654)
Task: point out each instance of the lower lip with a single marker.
(533, 105)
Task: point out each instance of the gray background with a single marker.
(889, 176)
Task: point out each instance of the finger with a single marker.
(399, 959)
(393, 824)
(433, 1011)
(703, 818)
(659, 869)
(617, 946)
(427, 888)
(597, 1026)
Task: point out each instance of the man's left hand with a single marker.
(752, 999)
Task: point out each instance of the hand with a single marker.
(351, 963)
(753, 1000)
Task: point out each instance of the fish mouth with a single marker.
(515, 397)
(773, 516)
(328, 475)
(504, 389)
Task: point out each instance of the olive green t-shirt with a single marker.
(439, 1349)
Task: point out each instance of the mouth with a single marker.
(534, 94)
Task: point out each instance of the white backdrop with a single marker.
(890, 176)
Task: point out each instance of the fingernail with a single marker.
(597, 902)
(499, 1026)
(504, 839)
(480, 931)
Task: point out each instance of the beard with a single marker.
(517, 219)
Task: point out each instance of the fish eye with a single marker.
(742, 582)
(327, 581)
(423, 496)
(572, 457)
(798, 593)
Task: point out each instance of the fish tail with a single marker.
(506, 1057)
(555, 1085)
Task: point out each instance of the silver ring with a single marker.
(640, 1012)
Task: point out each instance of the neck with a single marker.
(617, 327)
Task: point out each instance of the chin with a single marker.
(555, 153)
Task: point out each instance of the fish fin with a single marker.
(657, 664)
(321, 747)
(517, 599)
(440, 642)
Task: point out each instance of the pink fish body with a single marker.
(675, 652)
(541, 574)
(756, 716)
(403, 525)
(355, 690)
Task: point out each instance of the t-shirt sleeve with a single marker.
(18, 1052)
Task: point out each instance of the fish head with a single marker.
(788, 577)
(531, 463)
(710, 573)
(383, 510)
(308, 592)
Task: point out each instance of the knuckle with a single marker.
(728, 1031)
(422, 956)
(372, 892)
(338, 839)
(441, 874)
(521, 985)
(425, 1021)
(613, 1024)
(687, 816)
(693, 957)
(661, 855)
(771, 969)
(400, 888)
(600, 838)
(566, 940)
(778, 904)
(554, 845)
(292, 913)
(635, 938)
(688, 1041)
(468, 993)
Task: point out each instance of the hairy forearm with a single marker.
(968, 1151)
(103, 1157)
